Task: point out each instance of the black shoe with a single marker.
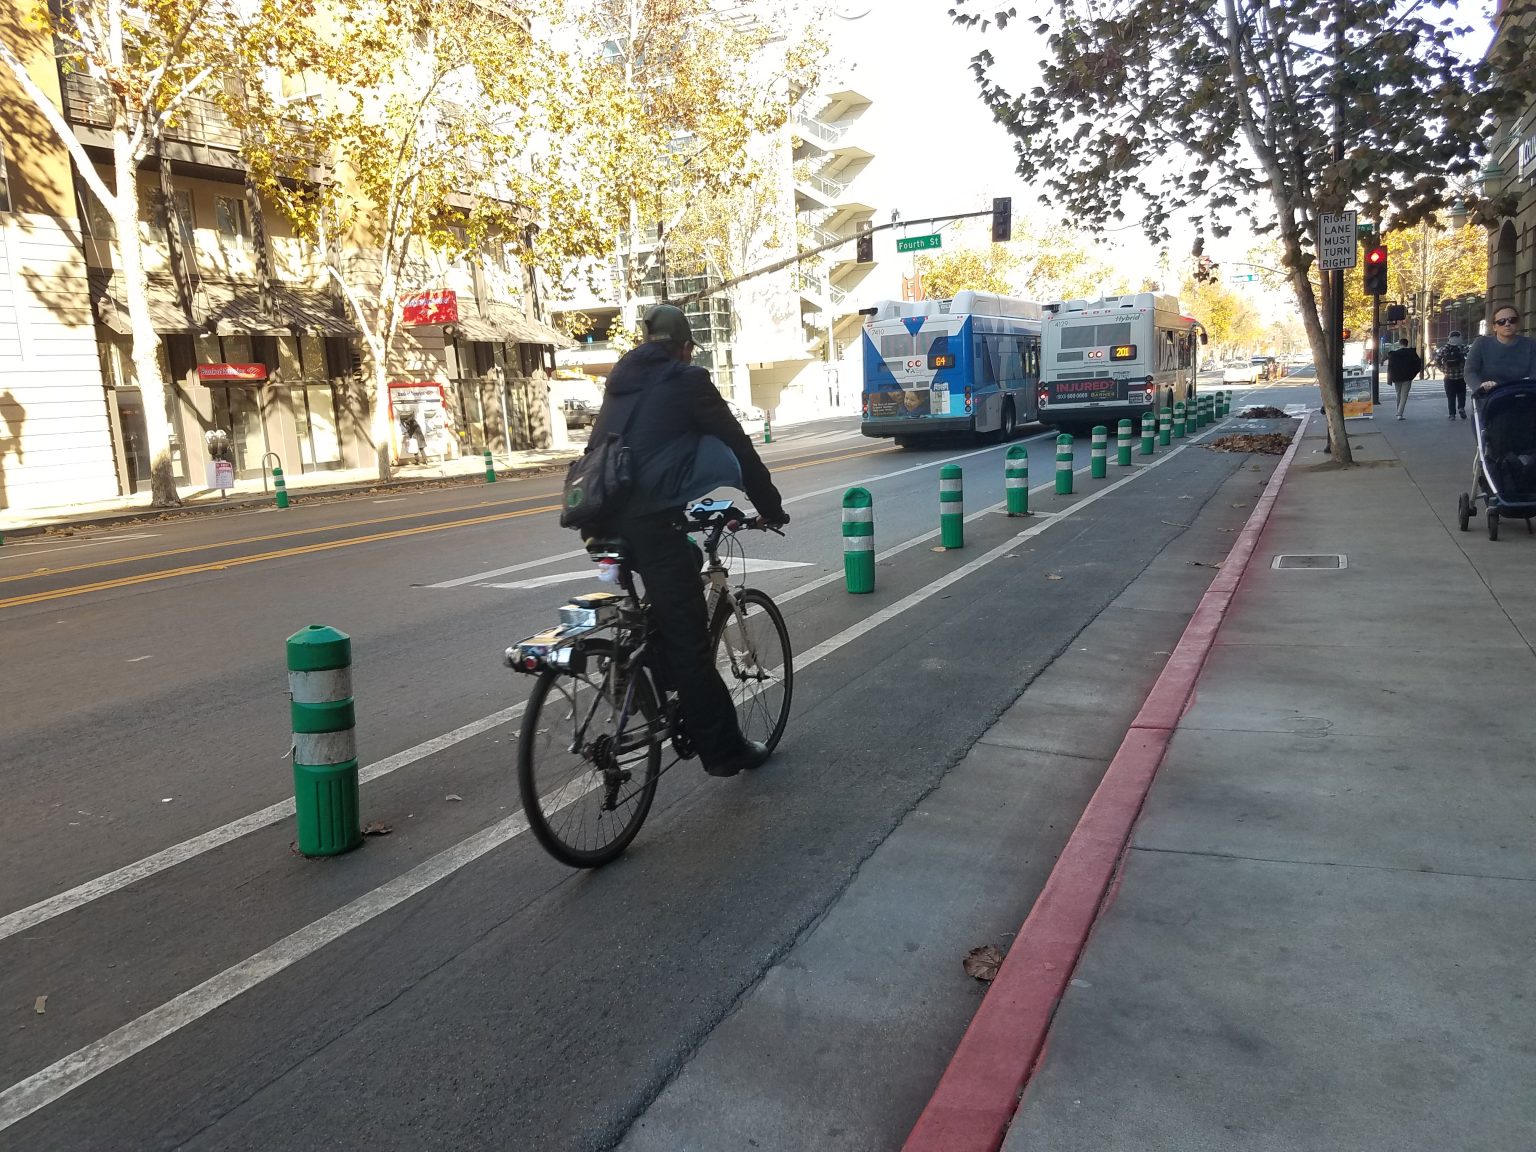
(1463, 415)
(753, 754)
(1452, 416)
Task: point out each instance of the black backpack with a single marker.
(599, 482)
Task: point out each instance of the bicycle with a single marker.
(590, 748)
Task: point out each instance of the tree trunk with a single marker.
(145, 343)
(379, 421)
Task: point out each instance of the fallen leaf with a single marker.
(293, 847)
(1270, 443)
(982, 963)
(40, 1005)
(940, 548)
(1052, 576)
(453, 796)
(377, 828)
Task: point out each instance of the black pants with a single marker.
(668, 565)
(1455, 394)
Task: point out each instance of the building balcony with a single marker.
(810, 128)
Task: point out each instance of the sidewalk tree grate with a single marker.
(1329, 561)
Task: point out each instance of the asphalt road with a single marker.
(449, 986)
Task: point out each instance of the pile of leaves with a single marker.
(1269, 443)
(1264, 412)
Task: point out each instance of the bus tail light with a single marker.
(1041, 397)
(865, 405)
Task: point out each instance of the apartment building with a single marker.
(1511, 170)
(56, 423)
(787, 341)
(262, 370)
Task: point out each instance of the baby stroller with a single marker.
(1504, 471)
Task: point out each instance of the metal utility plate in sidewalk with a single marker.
(1330, 561)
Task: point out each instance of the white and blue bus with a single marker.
(1116, 357)
(970, 364)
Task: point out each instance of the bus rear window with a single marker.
(896, 344)
(1095, 335)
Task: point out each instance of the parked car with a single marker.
(580, 414)
(1241, 372)
(749, 418)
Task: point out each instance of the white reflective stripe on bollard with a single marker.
(318, 749)
(320, 687)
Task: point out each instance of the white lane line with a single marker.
(495, 572)
(45, 910)
(890, 611)
(913, 468)
(65, 1075)
(30, 552)
(481, 577)
(591, 574)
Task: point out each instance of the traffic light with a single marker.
(1376, 271)
(1002, 219)
(864, 244)
(1347, 333)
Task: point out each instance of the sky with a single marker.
(937, 148)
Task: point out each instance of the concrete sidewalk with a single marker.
(1323, 930)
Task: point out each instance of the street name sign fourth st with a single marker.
(919, 243)
(1339, 247)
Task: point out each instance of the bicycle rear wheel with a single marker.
(753, 656)
(586, 787)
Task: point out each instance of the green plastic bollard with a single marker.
(1208, 412)
(1064, 465)
(1016, 480)
(1226, 404)
(280, 487)
(490, 468)
(1098, 453)
(767, 428)
(1165, 426)
(1123, 445)
(1179, 422)
(1148, 434)
(951, 507)
(859, 540)
(324, 741)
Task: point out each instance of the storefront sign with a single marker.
(225, 373)
(439, 306)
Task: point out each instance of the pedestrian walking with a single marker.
(1453, 365)
(1403, 364)
(1502, 358)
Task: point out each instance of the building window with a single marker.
(230, 219)
(5, 182)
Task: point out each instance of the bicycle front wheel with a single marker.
(752, 654)
(588, 757)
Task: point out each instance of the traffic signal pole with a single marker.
(1375, 350)
(1001, 211)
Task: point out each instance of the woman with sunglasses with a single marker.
(1504, 357)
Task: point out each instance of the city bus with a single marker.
(1116, 357)
(968, 365)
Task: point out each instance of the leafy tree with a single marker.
(426, 121)
(670, 96)
(987, 269)
(1231, 321)
(1220, 109)
(145, 61)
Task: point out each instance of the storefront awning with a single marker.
(295, 311)
(519, 329)
(165, 310)
(222, 309)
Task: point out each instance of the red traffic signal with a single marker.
(1376, 271)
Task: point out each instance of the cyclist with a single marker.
(684, 442)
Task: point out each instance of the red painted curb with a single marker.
(977, 1096)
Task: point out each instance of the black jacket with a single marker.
(674, 405)
(1403, 364)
